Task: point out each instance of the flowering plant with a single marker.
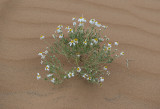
(85, 50)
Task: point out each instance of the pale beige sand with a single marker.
(134, 23)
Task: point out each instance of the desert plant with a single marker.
(86, 49)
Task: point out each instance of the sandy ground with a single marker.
(134, 23)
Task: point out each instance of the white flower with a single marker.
(92, 21)
(42, 37)
(72, 43)
(89, 78)
(60, 26)
(53, 36)
(116, 43)
(65, 77)
(98, 24)
(95, 40)
(101, 79)
(105, 67)
(73, 18)
(38, 76)
(85, 42)
(59, 30)
(61, 36)
(91, 43)
(70, 74)
(40, 53)
(41, 62)
(109, 44)
(81, 24)
(43, 56)
(76, 40)
(78, 69)
(74, 23)
(122, 53)
(67, 27)
(70, 30)
(49, 75)
(81, 19)
(47, 67)
(45, 52)
(109, 48)
(85, 76)
(53, 80)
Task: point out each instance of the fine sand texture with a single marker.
(134, 23)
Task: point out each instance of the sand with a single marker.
(134, 23)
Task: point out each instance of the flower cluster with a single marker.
(86, 49)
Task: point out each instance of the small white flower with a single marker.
(95, 40)
(109, 48)
(85, 76)
(43, 56)
(70, 30)
(109, 44)
(91, 43)
(122, 53)
(74, 23)
(53, 36)
(41, 62)
(40, 53)
(47, 67)
(42, 37)
(92, 21)
(67, 27)
(45, 52)
(101, 79)
(116, 43)
(70, 74)
(73, 18)
(59, 30)
(81, 24)
(53, 80)
(38, 76)
(89, 78)
(78, 69)
(61, 36)
(81, 19)
(105, 67)
(85, 42)
(65, 76)
(60, 26)
(76, 40)
(49, 75)
(98, 24)
(71, 43)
